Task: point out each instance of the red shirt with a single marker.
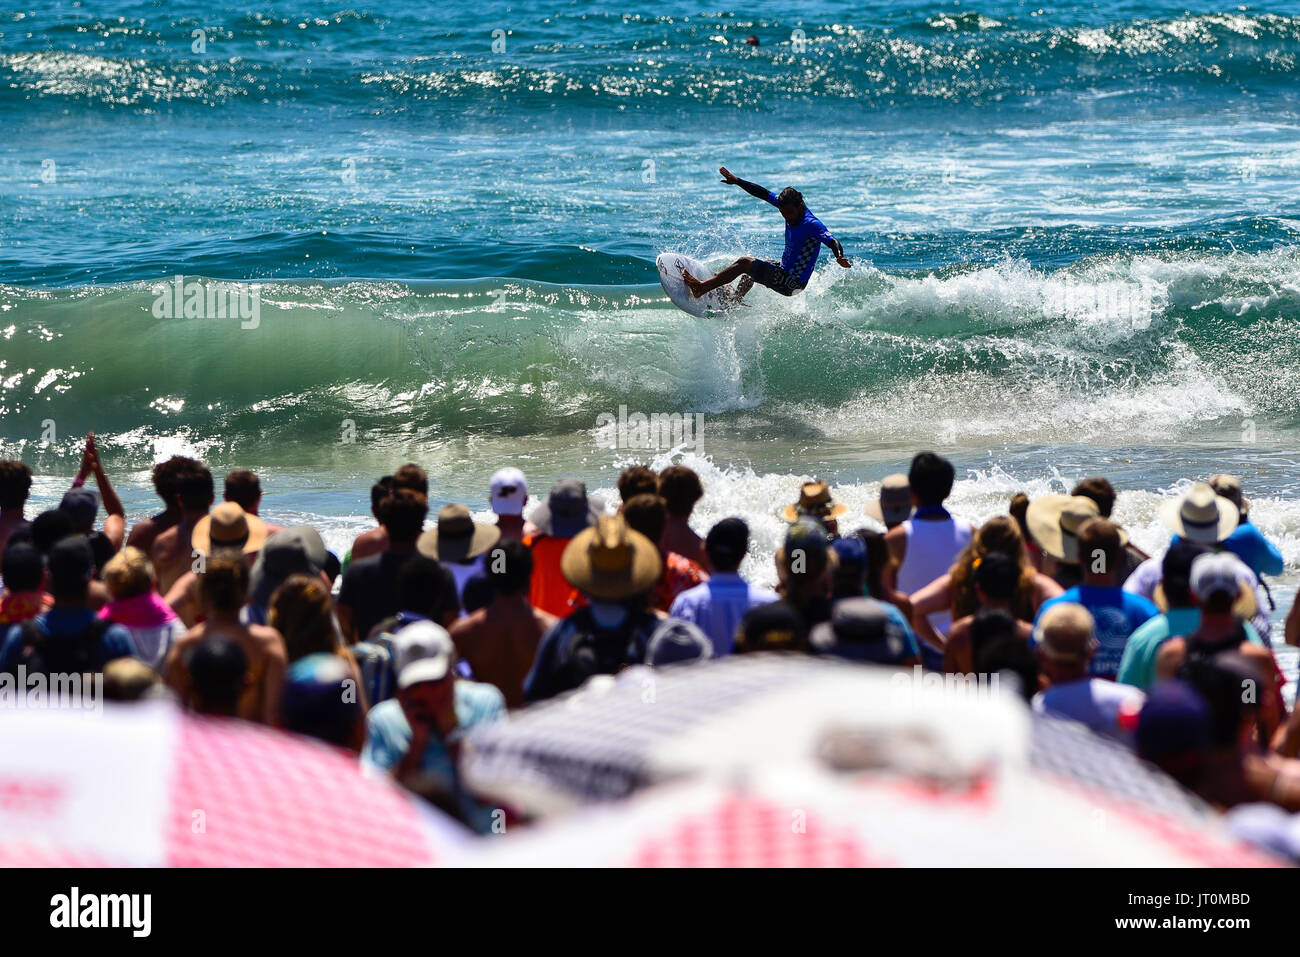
(19, 606)
(680, 573)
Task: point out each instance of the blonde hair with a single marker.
(301, 609)
(129, 573)
(1066, 632)
(1000, 534)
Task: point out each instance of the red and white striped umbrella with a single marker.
(803, 816)
(147, 785)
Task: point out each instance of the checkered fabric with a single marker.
(33, 855)
(246, 796)
(594, 745)
(796, 815)
(1068, 749)
(744, 831)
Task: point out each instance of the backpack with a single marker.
(592, 650)
(1200, 654)
(64, 655)
(375, 659)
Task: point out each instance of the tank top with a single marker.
(549, 590)
(932, 547)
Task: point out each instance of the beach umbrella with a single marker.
(1069, 750)
(802, 815)
(618, 735)
(145, 784)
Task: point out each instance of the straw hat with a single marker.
(458, 538)
(1200, 515)
(815, 500)
(1246, 606)
(224, 526)
(609, 560)
(1229, 487)
(895, 503)
(1054, 522)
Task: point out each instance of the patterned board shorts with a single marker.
(772, 276)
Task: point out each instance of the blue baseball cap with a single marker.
(320, 700)
(860, 629)
(81, 505)
(1175, 720)
(851, 551)
(675, 640)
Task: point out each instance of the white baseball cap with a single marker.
(509, 490)
(1218, 572)
(422, 651)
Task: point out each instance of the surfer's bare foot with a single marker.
(692, 284)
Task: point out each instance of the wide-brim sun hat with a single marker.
(1054, 522)
(457, 537)
(815, 500)
(296, 550)
(894, 505)
(568, 509)
(227, 517)
(611, 561)
(1200, 515)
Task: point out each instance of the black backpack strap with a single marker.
(31, 647)
(84, 645)
(33, 634)
(638, 643)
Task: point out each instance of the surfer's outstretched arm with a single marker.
(753, 189)
(837, 250)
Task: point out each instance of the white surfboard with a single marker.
(715, 303)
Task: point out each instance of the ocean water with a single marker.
(1075, 235)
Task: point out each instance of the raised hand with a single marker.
(728, 177)
(88, 457)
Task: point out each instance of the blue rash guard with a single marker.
(802, 244)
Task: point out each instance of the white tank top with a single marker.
(932, 547)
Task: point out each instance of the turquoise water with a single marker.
(1075, 233)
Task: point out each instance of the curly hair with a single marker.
(1000, 534)
(301, 610)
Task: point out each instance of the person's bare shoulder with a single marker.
(896, 539)
(166, 542)
(1170, 656)
(191, 636)
(467, 628)
(369, 543)
(270, 640)
(141, 531)
(183, 644)
(1262, 657)
(98, 595)
(1045, 586)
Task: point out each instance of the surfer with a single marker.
(804, 235)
